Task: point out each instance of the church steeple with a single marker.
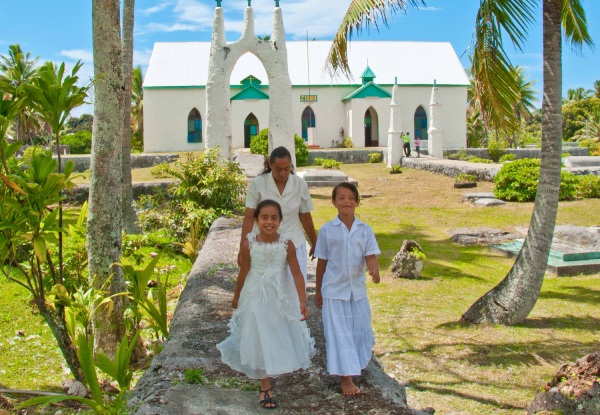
(367, 76)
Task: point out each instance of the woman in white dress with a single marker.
(279, 183)
(268, 333)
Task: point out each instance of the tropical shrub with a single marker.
(347, 143)
(375, 157)
(475, 159)
(331, 164)
(34, 150)
(592, 145)
(506, 157)
(588, 186)
(496, 149)
(465, 178)
(160, 171)
(79, 142)
(518, 181)
(396, 168)
(260, 145)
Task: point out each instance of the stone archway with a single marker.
(223, 57)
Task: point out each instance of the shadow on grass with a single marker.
(577, 295)
(452, 392)
(587, 323)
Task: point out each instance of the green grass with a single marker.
(456, 368)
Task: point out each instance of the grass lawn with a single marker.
(455, 368)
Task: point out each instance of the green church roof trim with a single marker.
(250, 92)
(368, 90)
(368, 73)
(250, 80)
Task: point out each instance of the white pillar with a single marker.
(435, 145)
(394, 133)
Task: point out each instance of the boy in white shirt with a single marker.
(346, 246)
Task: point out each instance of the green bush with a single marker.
(507, 157)
(465, 178)
(588, 187)
(496, 149)
(331, 164)
(592, 145)
(475, 159)
(160, 171)
(518, 181)
(375, 157)
(396, 168)
(34, 150)
(347, 143)
(459, 155)
(318, 161)
(80, 142)
(260, 145)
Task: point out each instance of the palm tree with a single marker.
(597, 89)
(512, 300)
(104, 229)
(578, 94)
(137, 101)
(526, 98)
(129, 216)
(19, 68)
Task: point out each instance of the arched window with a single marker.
(308, 121)
(421, 123)
(250, 129)
(194, 126)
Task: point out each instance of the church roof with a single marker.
(368, 90)
(185, 64)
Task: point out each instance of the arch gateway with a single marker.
(275, 81)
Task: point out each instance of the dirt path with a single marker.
(200, 322)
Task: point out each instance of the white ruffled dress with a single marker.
(267, 337)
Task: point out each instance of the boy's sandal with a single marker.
(268, 402)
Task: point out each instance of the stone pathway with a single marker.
(200, 322)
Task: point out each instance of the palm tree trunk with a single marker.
(511, 301)
(128, 212)
(104, 218)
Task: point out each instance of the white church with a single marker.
(324, 110)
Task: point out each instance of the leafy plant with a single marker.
(375, 157)
(347, 142)
(417, 253)
(191, 247)
(79, 142)
(396, 168)
(160, 171)
(260, 145)
(118, 368)
(588, 186)
(465, 178)
(496, 149)
(507, 157)
(195, 376)
(518, 181)
(331, 164)
(30, 151)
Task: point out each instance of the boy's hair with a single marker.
(348, 186)
(267, 202)
(277, 153)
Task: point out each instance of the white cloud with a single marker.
(141, 57)
(164, 27)
(155, 9)
(195, 12)
(78, 54)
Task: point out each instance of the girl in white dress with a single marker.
(346, 247)
(268, 332)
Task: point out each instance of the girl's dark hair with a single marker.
(348, 186)
(267, 202)
(277, 153)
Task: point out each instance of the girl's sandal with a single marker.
(268, 402)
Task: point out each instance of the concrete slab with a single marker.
(478, 195)
(325, 177)
(565, 259)
(488, 202)
(581, 161)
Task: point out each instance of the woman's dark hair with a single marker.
(267, 202)
(348, 186)
(277, 153)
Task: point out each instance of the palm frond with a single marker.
(574, 23)
(360, 14)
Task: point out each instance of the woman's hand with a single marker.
(318, 300)
(234, 302)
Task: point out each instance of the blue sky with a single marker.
(61, 30)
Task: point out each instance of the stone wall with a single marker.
(80, 193)
(138, 161)
(346, 156)
(520, 153)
